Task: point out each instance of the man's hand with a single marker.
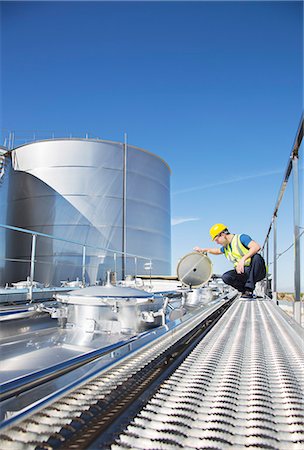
(200, 250)
(240, 266)
(213, 251)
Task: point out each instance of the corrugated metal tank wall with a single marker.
(5, 171)
(73, 189)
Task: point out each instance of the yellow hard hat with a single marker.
(216, 229)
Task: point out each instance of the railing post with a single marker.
(296, 215)
(10, 141)
(83, 265)
(33, 261)
(274, 280)
(267, 267)
(115, 263)
(32, 268)
(124, 207)
(150, 261)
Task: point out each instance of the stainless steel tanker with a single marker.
(75, 189)
(128, 310)
(48, 341)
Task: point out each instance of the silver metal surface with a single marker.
(38, 421)
(73, 189)
(101, 309)
(242, 387)
(194, 269)
(16, 295)
(99, 292)
(88, 319)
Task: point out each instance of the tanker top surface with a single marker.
(238, 386)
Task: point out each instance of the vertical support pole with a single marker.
(124, 207)
(150, 261)
(296, 218)
(115, 265)
(267, 267)
(274, 281)
(263, 283)
(83, 265)
(135, 267)
(32, 268)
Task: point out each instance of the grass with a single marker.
(289, 296)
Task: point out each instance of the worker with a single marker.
(242, 251)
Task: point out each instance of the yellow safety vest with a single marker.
(236, 250)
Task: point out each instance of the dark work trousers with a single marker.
(247, 280)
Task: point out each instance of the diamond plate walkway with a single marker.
(241, 387)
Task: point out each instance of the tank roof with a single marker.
(94, 140)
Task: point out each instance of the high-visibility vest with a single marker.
(236, 250)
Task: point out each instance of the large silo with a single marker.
(5, 172)
(74, 189)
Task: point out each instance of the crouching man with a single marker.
(242, 251)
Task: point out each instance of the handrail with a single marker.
(37, 233)
(294, 154)
(33, 261)
(292, 166)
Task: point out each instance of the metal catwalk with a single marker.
(241, 387)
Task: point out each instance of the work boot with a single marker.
(247, 294)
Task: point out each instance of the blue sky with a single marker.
(214, 88)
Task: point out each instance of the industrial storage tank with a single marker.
(107, 196)
(5, 171)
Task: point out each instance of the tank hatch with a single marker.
(96, 295)
(194, 269)
(110, 291)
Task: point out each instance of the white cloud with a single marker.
(227, 181)
(179, 220)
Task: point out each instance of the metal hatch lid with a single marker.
(102, 293)
(109, 291)
(194, 269)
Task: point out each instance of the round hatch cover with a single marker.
(194, 269)
(110, 291)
